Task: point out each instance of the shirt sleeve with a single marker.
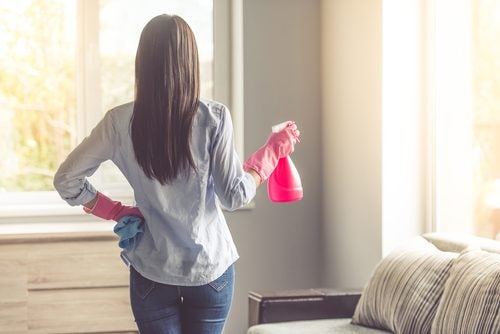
(70, 180)
(234, 187)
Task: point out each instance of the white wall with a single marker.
(279, 244)
(373, 125)
(352, 160)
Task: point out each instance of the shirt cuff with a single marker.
(86, 195)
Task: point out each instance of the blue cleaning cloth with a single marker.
(128, 229)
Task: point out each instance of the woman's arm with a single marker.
(234, 187)
(255, 176)
(70, 180)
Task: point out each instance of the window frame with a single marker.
(47, 206)
(449, 94)
(447, 203)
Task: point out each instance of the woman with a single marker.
(177, 154)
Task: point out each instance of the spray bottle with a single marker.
(284, 184)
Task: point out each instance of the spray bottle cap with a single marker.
(279, 127)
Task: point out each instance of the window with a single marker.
(37, 91)
(466, 104)
(65, 63)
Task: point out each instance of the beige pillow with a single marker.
(471, 298)
(404, 291)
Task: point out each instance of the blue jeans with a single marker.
(169, 309)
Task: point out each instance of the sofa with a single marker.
(436, 283)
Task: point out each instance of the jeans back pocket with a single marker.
(140, 285)
(220, 283)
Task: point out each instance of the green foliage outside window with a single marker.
(37, 94)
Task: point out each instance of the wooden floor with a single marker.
(63, 283)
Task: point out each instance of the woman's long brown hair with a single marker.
(167, 90)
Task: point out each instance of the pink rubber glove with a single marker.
(279, 145)
(112, 210)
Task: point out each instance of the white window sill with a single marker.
(44, 213)
(54, 228)
(45, 207)
(48, 218)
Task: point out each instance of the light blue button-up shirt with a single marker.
(186, 240)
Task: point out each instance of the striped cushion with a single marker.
(404, 291)
(471, 298)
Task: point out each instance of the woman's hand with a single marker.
(103, 207)
(92, 203)
(279, 145)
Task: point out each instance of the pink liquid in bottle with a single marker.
(284, 184)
